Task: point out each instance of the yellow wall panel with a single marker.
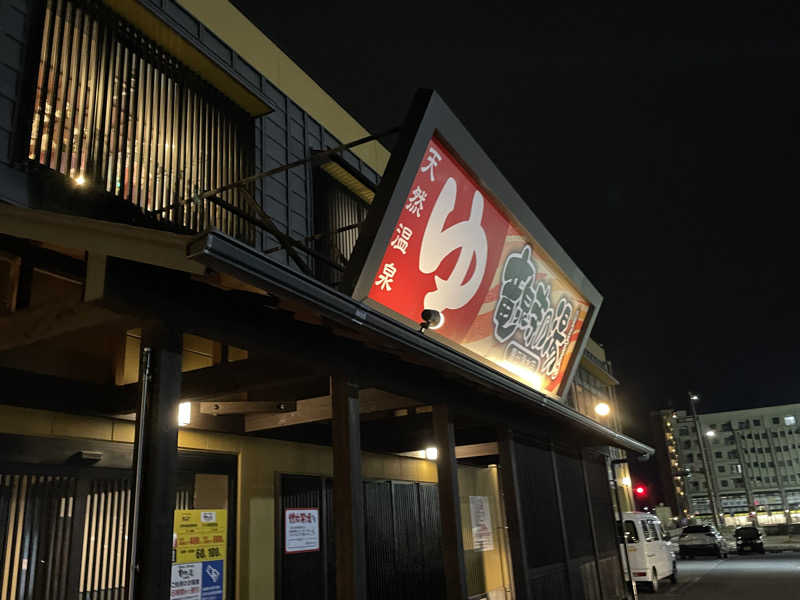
(196, 440)
(24, 421)
(123, 432)
(65, 425)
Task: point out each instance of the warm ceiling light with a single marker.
(184, 413)
(602, 409)
(80, 180)
(432, 453)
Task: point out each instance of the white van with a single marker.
(650, 551)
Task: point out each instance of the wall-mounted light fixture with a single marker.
(431, 319)
(432, 453)
(184, 413)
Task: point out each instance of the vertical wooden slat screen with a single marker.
(35, 520)
(115, 112)
(336, 208)
(104, 549)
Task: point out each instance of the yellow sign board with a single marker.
(199, 546)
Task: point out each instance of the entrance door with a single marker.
(402, 540)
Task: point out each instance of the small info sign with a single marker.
(301, 530)
(481, 518)
(198, 554)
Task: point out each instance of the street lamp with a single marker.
(710, 482)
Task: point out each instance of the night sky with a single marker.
(659, 148)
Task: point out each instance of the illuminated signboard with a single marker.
(447, 232)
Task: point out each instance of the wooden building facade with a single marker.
(140, 286)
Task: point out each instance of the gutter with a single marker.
(226, 254)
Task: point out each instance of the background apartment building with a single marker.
(752, 456)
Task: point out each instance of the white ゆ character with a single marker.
(438, 243)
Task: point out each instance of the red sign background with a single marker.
(426, 255)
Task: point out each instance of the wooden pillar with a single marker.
(24, 286)
(513, 509)
(156, 450)
(9, 277)
(348, 492)
(449, 504)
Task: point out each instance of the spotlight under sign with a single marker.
(447, 233)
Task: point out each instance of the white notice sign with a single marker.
(482, 534)
(301, 530)
(187, 581)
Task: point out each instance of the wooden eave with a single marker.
(139, 244)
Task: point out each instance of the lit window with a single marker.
(116, 113)
(789, 420)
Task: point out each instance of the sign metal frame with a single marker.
(430, 117)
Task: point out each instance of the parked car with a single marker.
(749, 539)
(650, 550)
(696, 540)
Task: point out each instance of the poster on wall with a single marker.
(481, 519)
(199, 547)
(301, 530)
(448, 233)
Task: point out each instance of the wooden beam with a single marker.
(43, 259)
(465, 451)
(449, 504)
(48, 392)
(95, 285)
(207, 422)
(308, 411)
(279, 381)
(113, 239)
(246, 408)
(282, 381)
(348, 492)
(473, 450)
(321, 409)
(26, 327)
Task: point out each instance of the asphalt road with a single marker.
(752, 576)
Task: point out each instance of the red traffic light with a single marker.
(640, 490)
